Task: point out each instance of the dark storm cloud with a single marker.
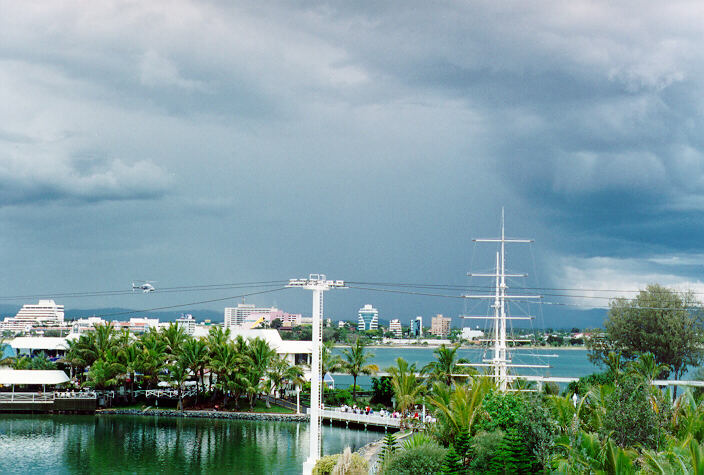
(285, 131)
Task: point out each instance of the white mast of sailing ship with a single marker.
(501, 361)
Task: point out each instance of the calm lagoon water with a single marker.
(55, 444)
(566, 363)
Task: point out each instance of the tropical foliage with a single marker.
(107, 359)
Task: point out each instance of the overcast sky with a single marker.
(210, 142)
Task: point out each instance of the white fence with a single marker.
(371, 419)
(168, 393)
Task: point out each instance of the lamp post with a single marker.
(318, 284)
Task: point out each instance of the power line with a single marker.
(486, 287)
(536, 302)
(189, 304)
(108, 293)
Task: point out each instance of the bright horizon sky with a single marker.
(208, 142)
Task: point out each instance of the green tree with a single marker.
(355, 362)
(406, 385)
(659, 320)
(453, 462)
(458, 407)
(446, 364)
(630, 418)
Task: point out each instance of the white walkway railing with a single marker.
(372, 419)
(26, 397)
(17, 397)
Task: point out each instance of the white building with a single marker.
(138, 325)
(368, 318)
(83, 325)
(44, 314)
(245, 316)
(187, 322)
(469, 334)
(395, 328)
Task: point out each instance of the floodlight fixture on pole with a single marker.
(318, 284)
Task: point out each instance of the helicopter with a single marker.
(144, 285)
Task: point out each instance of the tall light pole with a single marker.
(318, 284)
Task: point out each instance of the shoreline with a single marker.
(249, 416)
(467, 347)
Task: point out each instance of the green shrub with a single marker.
(525, 414)
(350, 464)
(482, 449)
(585, 382)
(382, 391)
(511, 455)
(630, 415)
(453, 462)
(425, 459)
(324, 465)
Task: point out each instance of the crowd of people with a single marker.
(384, 413)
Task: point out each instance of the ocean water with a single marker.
(562, 362)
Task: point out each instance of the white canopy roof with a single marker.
(38, 343)
(25, 376)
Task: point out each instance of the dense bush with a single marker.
(630, 418)
(584, 383)
(350, 464)
(382, 391)
(337, 397)
(528, 416)
(483, 448)
(426, 458)
(324, 465)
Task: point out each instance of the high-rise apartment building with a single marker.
(44, 314)
(236, 316)
(368, 318)
(440, 326)
(417, 326)
(395, 327)
(187, 322)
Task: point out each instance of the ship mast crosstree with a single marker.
(501, 360)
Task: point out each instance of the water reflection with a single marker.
(129, 444)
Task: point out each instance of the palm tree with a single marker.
(195, 354)
(130, 359)
(178, 373)
(281, 371)
(445, 365)
(75, 358)
(614, 363)
(152, 357)
(104, 372)
(405, 383)
(354, 363)
(102, 340)
(174, 337)
(329, 363)
(259, 354)
(216, 339)
(458, 406)
(589, 454)
(646, 367)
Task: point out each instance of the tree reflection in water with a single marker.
(105, 444)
